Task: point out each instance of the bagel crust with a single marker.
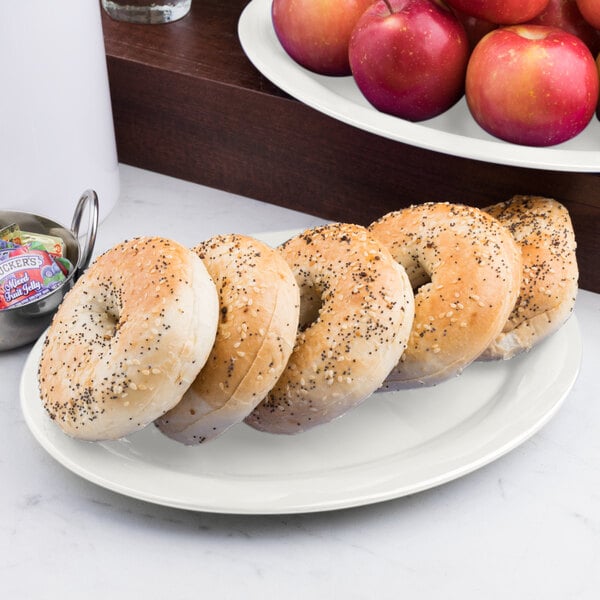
(543, 230)
(356, 311)
(466, 270)
(259, 307)
(123, 348)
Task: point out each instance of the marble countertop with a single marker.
(525, 526)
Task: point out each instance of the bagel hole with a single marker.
(310, 307)
(113, 322)
(417, 275)
(421, 284)
(110, 319)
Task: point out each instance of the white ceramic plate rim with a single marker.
(454, 132)
(203, 479)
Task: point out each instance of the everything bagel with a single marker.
(128, 339)
(356, 310)
(259, 305)
(466, 270)
(543, 230)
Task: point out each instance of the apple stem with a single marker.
(387, 3)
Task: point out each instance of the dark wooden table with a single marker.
(188, 103)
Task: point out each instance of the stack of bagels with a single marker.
(284, 339)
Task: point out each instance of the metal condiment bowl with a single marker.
(21, 325)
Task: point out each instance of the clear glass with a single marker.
(145, 11)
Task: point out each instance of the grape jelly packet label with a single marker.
(26, 275)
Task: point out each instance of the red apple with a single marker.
(501, 12)
(566, 15)
(532, 85)
(409, 57)
(590, 9)
(315, 33)
(598, 67)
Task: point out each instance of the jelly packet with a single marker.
(50, 243)
(28, 271)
